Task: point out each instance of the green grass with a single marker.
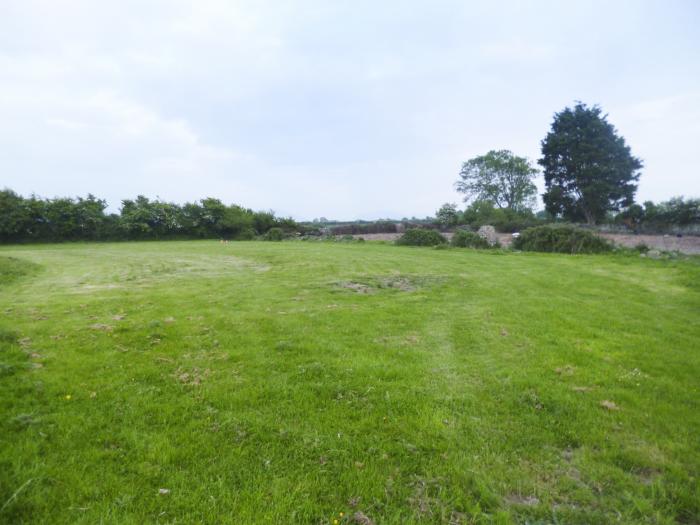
(289, 382)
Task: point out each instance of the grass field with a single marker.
(199, 382)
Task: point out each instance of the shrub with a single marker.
(418, 237)
(274, 234)
(466, 239)
(247, 234)
(361, 228)
(560, 239)
(642, 247)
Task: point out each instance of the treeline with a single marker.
(675, 214)
(33, 219)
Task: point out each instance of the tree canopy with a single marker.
(588, 168)
(499, 177)
(447, 215)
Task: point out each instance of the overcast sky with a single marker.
(357, 109)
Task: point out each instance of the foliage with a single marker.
(674, 213)
(65, 219)
(274, 234)
(448, 215)
(247, 234)
(560, 239)
(363, 228)
(467, 239)
(588, 168)
(499, 177)
(421, 237)
(281, 397)
(480, 213)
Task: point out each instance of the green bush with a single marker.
(418, 237)
(560, 239)
(642, 247)
(247, 234)
(274, 234)
(466, 239)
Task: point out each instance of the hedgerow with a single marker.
(419, 237)
(467, 239)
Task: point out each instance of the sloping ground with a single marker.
(12, 269)
(199, 382)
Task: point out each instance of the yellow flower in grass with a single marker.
(335, 522)
(68, 396)
(341, 514)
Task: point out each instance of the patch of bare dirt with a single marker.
(609, 405)
(517, 499)
(567, 370)
(102, 327)
(356, 287)
(400, 283)
(194, 377)
(373, 284)
(361, 518)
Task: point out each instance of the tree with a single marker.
(14, 216)
(588, 168)
(632, 217)
(447, 215)
(499, 177)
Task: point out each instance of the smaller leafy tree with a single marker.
(499, 177)
(447, 216)
(420, 237)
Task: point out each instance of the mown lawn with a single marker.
(199, 382)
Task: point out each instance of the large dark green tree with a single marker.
(588, 168)
(499, 177)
